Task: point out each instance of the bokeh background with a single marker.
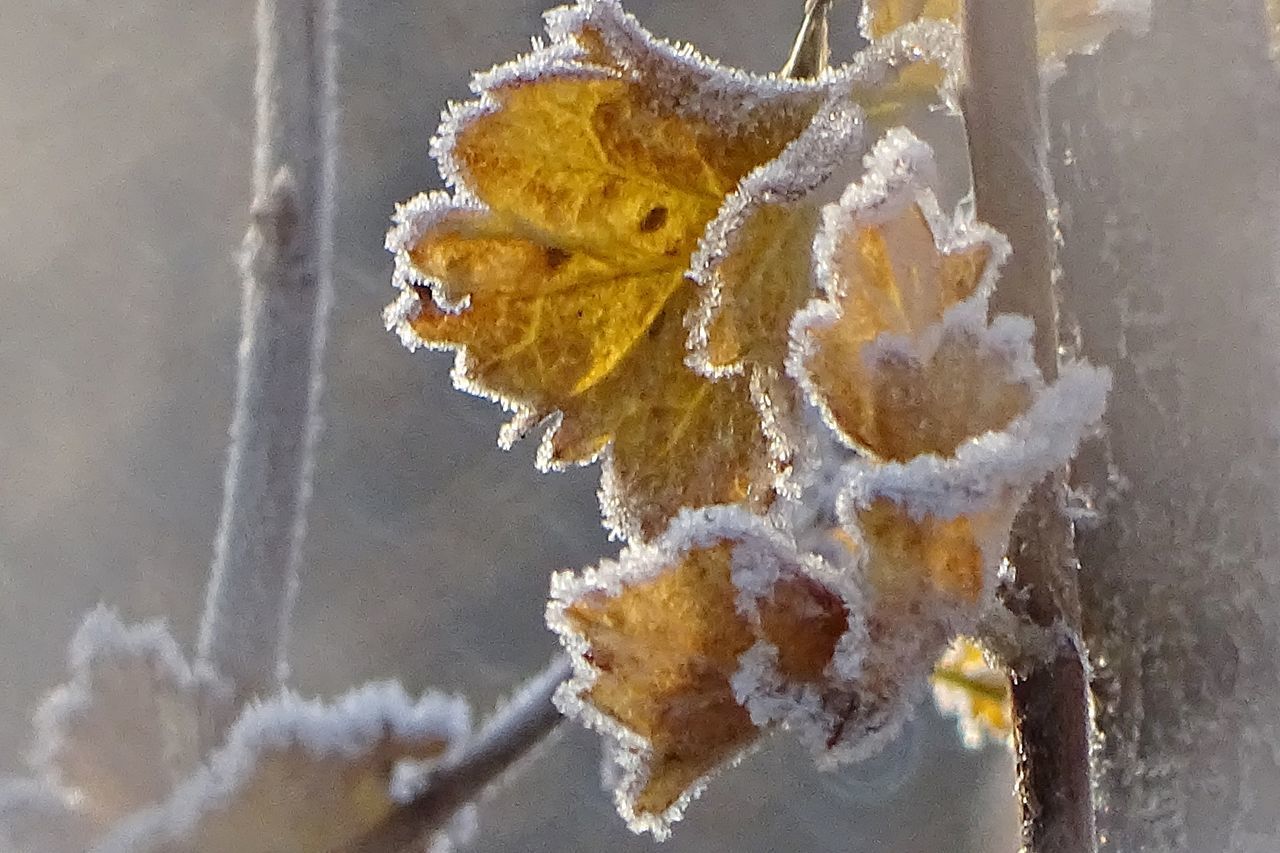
(124, 182)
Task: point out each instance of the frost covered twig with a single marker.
(1007, 140)
(515, 729)
(286, 298)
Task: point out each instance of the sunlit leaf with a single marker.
(585, 180)
(686, 650)
(873, 352)
(976, 692)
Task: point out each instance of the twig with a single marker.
(515, 729)
(1007, 142)
(286, 269)
(811, 53)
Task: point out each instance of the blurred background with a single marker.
(124, 186)
(124, 183)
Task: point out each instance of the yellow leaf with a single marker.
(586, 178)
(890, 377)
(662, 640)
(976, 692)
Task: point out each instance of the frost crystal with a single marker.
(685, 650)
(299, 775)
(133, 720)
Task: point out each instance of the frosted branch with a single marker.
(511, 733)
(287, 291)
(1007, 142)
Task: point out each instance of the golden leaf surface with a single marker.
(975, 691)
(660, 643)
(586, 178)
(875, 355)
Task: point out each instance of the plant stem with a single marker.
(287, 291)
(526, 720)
(1007, 143)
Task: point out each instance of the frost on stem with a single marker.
(594, 185)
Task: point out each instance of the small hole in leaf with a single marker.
(653, 220)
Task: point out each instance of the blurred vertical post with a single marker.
(1004, 118)
(287, 291)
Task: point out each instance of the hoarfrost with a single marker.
(762, 557)
(133, 720)
(317, 745)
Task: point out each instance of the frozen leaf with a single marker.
(951, 418)
(299, 776)
(976, 692)
(133, 720)
(872, 352)
(754, 264)
(687, 649)
(584, 180)
(1063, 27)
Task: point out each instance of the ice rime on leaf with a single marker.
(890, 267)
(133, 720)
(296, 776)
(953, 419)
(584, 179)
(686, 650)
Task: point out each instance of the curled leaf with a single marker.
(299, 776)
(952, 420)
(872, 352)
(974, 691)
(585, 178)
(686, 650)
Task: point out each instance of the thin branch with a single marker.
(1007, 143)
(811, 53)
(525, 721)
(287, 291)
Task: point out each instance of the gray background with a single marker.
(124, 161)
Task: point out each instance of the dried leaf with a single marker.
(131, 723)
(686, 650)
(872, 353)
(975, 691)
(299, 776)
(586, 176)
